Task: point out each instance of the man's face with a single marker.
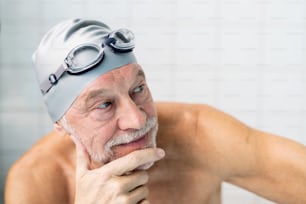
(114, 115)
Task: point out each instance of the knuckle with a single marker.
(144, 176)
(142, 192)
(106, 173)
(124, 199)
(116, 185)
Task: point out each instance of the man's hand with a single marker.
(115, 182)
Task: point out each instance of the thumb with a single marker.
(82, 157)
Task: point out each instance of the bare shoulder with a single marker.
(199, 130)
(179, 111)
(48, 161)
(176, 119)
(187, 129)
(194, 116)
(172, 112)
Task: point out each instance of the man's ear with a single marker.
(60, 129)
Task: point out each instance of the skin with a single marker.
(203, 147)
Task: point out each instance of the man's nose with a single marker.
(131, 116)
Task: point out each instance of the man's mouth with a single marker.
(129, 142)
(139, 141)
(136, 144)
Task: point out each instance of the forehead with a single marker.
(126, 71)
(109, 80)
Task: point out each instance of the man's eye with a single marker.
(138, 89)
(105, 105)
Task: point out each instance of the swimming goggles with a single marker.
(85, 57)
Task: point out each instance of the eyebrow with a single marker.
(99, 92)
(141, 74)
(93, 94)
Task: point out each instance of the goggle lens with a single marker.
(83, 58)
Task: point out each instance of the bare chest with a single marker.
(184, 186)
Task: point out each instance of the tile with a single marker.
(18, 41)
(19, 131)
(19, 89)
(6, 160)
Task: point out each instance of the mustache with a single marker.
(135, 135)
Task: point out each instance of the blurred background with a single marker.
(245, 57)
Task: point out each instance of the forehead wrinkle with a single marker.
(111, 77)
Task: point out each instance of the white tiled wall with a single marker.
(246, 57)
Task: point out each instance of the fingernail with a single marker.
(160, 153)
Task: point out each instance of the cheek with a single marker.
(93, 134)
(150, 109)
(97, 137)
(150, 106)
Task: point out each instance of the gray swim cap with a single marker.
(54, 48)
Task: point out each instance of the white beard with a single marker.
(151, 125)
(107, 155)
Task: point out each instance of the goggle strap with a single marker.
(109, 41)
(52, 79)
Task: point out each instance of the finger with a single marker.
(139, 194)
(82, 158)
(133, 180)
(133, 160)
(144, 202)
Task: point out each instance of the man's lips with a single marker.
(136, 144)
(135, 141)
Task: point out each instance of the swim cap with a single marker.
(53, 51)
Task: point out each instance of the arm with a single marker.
(34, 182)
(19, 187)
(37, 179)
(279, 172)
(266, 164)
(43, 173)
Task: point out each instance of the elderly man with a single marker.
(105, 148)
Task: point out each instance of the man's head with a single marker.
(66, 53)
(94, 88)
